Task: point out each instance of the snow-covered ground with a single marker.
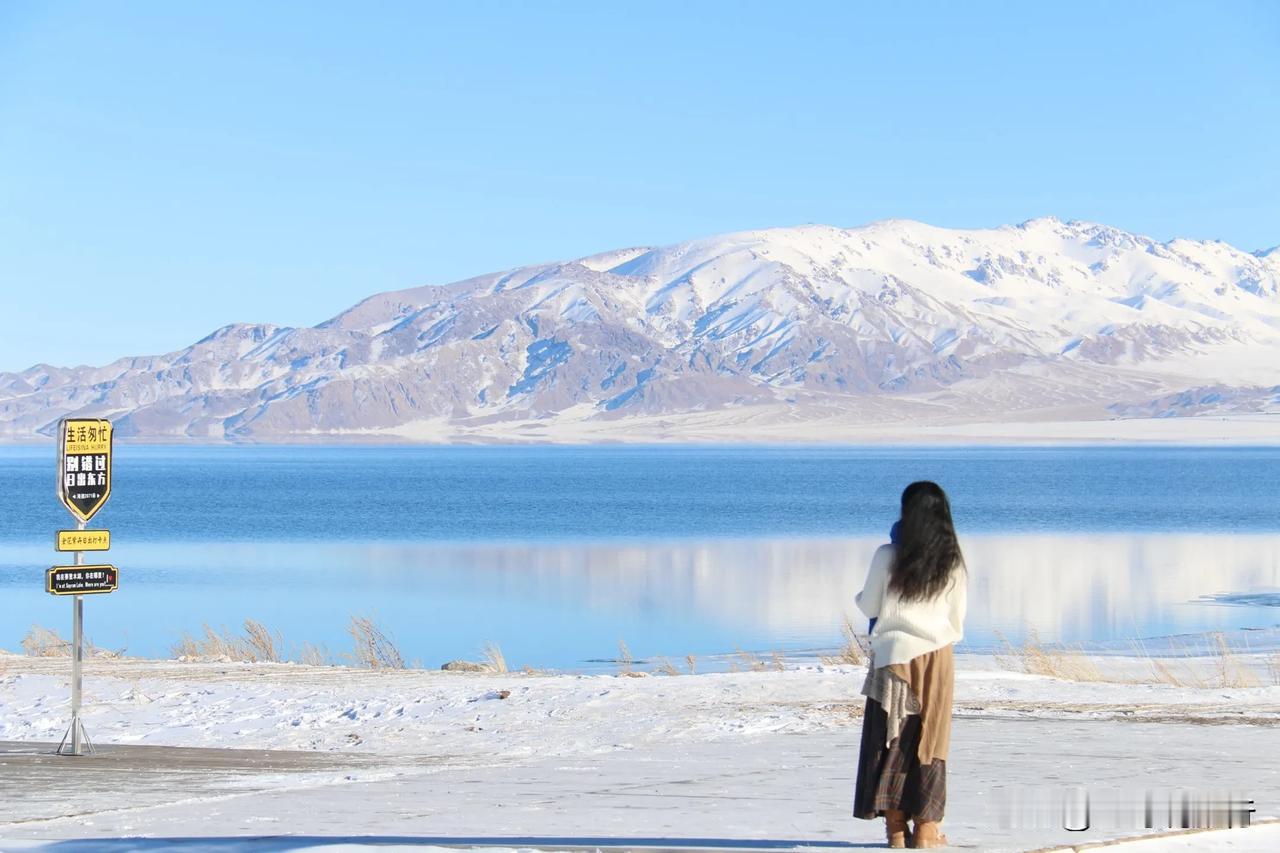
(587, 760)
(296, 707)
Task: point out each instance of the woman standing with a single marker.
(915, 592)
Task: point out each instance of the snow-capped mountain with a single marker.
(755, 334)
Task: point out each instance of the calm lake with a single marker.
(557, 554)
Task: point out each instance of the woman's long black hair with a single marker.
(927, 549)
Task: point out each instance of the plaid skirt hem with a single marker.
(892, 777)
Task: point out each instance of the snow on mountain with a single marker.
(892, 322)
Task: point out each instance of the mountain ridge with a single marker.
(892, 322)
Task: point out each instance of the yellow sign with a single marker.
(83, 540)
(84, 465)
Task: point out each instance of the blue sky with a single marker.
(189, 165)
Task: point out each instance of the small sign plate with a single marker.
(83, 540)
(81, 580)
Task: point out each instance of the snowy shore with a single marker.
(292, 706)
(739, 755)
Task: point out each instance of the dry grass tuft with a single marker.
(1007, 658)
(212, 646)
(1223, 668)
(1168, 671)
(852, 652)
(776, 660)
(261, 643)
(494, 658)
(1228, 668)
(624, 657)
(185, 648)
(750, 662)
(691, 662)
(41, 642)
(313, 655)
(1033, 659)
(666, 667)
(1273, 668)
(257, 645)
(223, 645)
(1072, 665)
(1164, 674)
(373, 648)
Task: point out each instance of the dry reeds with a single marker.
(262, 644)
(691, 662)
(1273, 668)
(1167, 671)
(666, 667)
(373, 649)
(41, 642)
(313, 655)
(1071, 665)
(494, 658)
(1032, 658)
(1068, 665)
(1227, 666)
(1164, 674)
(624, 657)
(213, 646)
(852, 652)
(1222, 668)
(257, 645)
(1007, 656)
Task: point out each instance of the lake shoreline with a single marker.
(702, 430)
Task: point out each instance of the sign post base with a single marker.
(76, 740)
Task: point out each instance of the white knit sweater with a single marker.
(907, 629)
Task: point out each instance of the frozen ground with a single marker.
(750, 759)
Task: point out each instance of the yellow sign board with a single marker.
(83, 540)
(84, 465)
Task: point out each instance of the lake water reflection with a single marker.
(563, 604)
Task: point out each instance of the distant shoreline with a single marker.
(697, 430)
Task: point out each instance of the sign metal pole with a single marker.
(84, 484)
(75, 733)
(77, 661)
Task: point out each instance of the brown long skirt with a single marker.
(892, 777)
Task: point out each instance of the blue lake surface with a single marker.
(558, 553)
(211, 493)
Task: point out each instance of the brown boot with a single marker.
(895, 828)
(927, 835)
